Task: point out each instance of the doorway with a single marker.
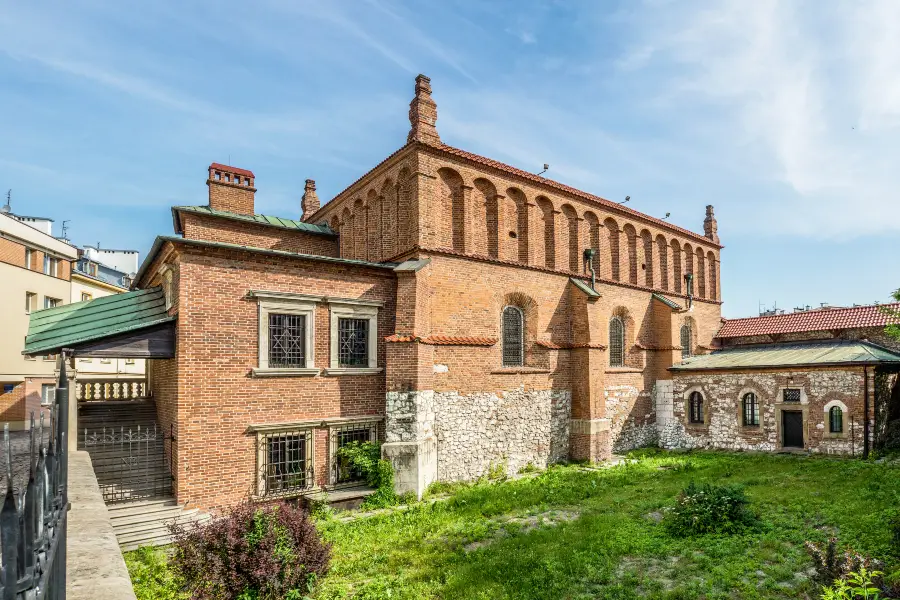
(792, 429)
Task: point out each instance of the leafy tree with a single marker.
(893, 330)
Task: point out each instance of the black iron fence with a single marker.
(33, 521)
(131, 464)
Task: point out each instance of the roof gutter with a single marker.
(866, 364)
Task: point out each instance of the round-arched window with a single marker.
(616, 342)
(835, 420)
(513, 325)
(751, 410)
(695, 407)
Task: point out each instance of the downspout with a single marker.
(689, 284)
(866, 412)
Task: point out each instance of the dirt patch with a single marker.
(518, 525)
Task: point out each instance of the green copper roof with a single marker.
(70, 324)
(591, 293)
(836, 352)
(667, 302)
(260, 219)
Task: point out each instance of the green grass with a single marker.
(571, 533)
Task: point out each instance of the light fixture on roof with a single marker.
(668, 214)
(627, 198)
(546, 167)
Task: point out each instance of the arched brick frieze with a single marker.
(548, 218)
(573, 238)
(631, 250)
(485, 227)
(712, 265)
(359, 229)
(677, 272)
(662, 262)
(701, 273)
(406, 224)
(615, 250)
(452, 210)
(346, 236)
(389, 231)
(594, 239)
(647, 262)
(519, 242)
(374, 231)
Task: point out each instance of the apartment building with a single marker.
(35, 271)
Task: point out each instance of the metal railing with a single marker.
(111, 389)
(130, 464)
(33, 523)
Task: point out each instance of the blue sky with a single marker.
(784, 115)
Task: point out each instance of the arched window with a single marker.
(686, 341)
(616, 342)
(513, 337)
(835, 420)
(695, 407)
(751, 410)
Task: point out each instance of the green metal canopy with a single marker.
(259, 219)
(69, 325)
(830, 353)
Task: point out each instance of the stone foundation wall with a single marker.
(724, 429)
(477, 431)
(632, 422)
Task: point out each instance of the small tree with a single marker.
(893, 330)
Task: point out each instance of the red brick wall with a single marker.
(12, 404)
(231, 197)
(216, 397)
(217, 229)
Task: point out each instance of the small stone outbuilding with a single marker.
(811, 380)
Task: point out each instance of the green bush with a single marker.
(365, 459)
(702, 509)
(861, 585)
(151, 577)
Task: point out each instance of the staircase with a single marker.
(127, 449)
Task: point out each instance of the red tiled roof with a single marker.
(489, 162)
(236, 170)
(813, 320)
(555, 346)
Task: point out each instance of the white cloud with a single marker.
(806, 95)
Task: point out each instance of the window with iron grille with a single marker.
(695, 403)
(616, 342)
(686, 341)
(791, 395)
(513, 337)
(353, 343)
(285, 462)
(287, 341)
(341, 471)
(751, 410)
(835, 420)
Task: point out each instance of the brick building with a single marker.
(467, 313)
(822, 380)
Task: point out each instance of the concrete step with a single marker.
(160, 525)
(145, 523)
(142, 506)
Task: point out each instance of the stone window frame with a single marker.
(353, 309)
(740, 408)
(828, 434)
(293, 305)
(781, 406)
(262, 436)
(686, 397)
(375, 424)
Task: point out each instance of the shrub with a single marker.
(894, 524)
(833, 565)
(365, 459)
(258, 552)
(701, 509)
(856, 585)
(151, 577)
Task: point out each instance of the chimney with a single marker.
(423, 114)
(710, 227)
(310, 201)
(231, 189)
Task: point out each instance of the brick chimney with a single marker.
(310, 201)
(710, 227)
(231, 189)
(423, 114)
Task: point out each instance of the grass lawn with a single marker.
(574, 533)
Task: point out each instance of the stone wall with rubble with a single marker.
(631, 418)
(724, 429)
(478, 431)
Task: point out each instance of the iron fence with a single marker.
(33, 522)
(130, 464)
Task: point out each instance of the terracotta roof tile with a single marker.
(813, 320)
(458, 340)
(400, 338)
(239, 171)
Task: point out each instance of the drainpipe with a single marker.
(589, 264)
(866, 412)
(689, 284)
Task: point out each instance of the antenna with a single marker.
(7, 208)
(546, 168)
(65, 228)
(627, 198)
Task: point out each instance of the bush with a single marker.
(151, 577)
(701, 509)
(834, 565)
(253, 552)
(365, 459)
(856, 585)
